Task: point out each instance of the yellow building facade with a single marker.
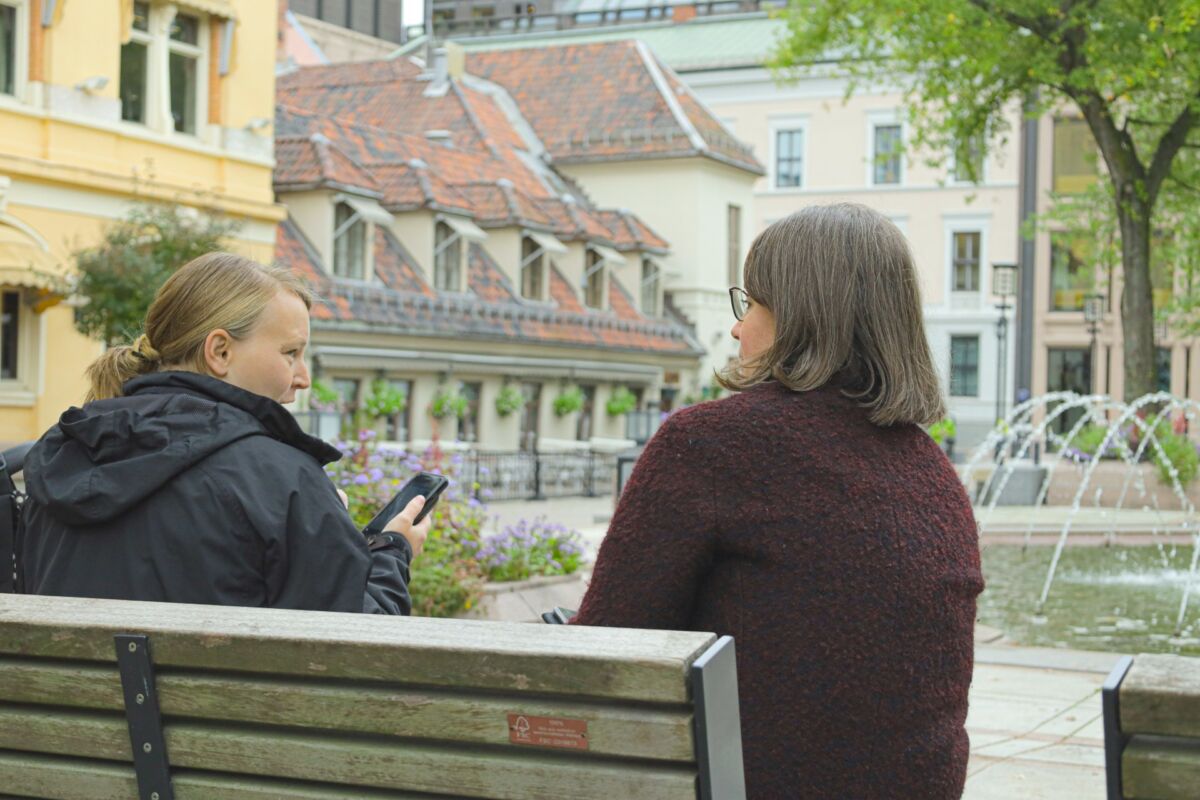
(105, 104)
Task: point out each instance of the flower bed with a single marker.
(450, 575)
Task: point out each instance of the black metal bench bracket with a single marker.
(718, 724)
(1114, 739)
(145, 722)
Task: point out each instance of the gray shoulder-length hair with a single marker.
(842, 286)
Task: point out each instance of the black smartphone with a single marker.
(424, 483)
(559, 616)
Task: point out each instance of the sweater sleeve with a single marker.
(662, 537)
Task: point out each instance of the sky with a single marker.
(412, 11)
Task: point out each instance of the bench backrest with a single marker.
(269, 703)
(1152, 728)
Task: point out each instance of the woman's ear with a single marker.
(217, 352)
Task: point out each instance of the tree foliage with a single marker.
(118, 279)
(1131, 68)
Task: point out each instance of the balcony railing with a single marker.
(496, 25)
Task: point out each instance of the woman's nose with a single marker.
(301, 378)
(736, 330)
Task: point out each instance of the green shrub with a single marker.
(568, 401)
(621, 402)
(508, 400)
(385, 400)
(448, 403)
(1180, 451)
(323, 397)
(942, 430)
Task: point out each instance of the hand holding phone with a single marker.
(425, 484)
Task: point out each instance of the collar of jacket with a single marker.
(278, 421)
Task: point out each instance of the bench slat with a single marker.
(378, 762)
(378, 709)
(1159, 696)
(79, 779)
(1158, 767)
(599, 662)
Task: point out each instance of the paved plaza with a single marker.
(1035, 720)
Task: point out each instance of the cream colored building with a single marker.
(103, 104)
(818, 148)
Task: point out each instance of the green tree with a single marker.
(118, 279)
(1132, 69)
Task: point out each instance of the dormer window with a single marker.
(593, 280)
(595, 274)
(349, 243)
(535, 251)
(651, 281)
(447, 258)
(533, 270)
(449, 233)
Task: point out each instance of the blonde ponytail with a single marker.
(108, 373)
(215, 291)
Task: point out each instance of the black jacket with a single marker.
(191, 490)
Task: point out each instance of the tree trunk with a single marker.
(1137, 304)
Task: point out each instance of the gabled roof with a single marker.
(484, 173)
(609, 101)
(403, 301)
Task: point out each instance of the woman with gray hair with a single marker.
(811, 518)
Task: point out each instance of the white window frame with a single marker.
(979, 360)
(158, 69)
(356, 216)
(952, 160)
(658, 286)
(966, 223)
(545, 246)
(781, 125)
(459, 232)
(878, 119)
(602, 266)
(20, 52)
(31, 330)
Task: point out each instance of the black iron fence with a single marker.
(534, 476)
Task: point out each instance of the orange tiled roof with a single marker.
(306, 162)
(412, 172)
(609, 101)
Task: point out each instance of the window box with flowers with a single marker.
(568, 401)
(509, 400)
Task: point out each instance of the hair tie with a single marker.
(143, 349)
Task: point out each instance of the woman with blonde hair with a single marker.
(811, 518)
(183, 479)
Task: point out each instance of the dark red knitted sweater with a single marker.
(842, 556)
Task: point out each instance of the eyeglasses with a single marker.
(740, 302)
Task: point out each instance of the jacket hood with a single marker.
(104, 458)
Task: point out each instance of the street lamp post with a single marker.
(1004, 286)
(1093, 315)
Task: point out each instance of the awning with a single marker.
(25, 261)
(368, 209)
(547, 242)
(217, 8)
(464, 227)
(608, 254)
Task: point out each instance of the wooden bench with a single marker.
(1152, 728)
(260, 703)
